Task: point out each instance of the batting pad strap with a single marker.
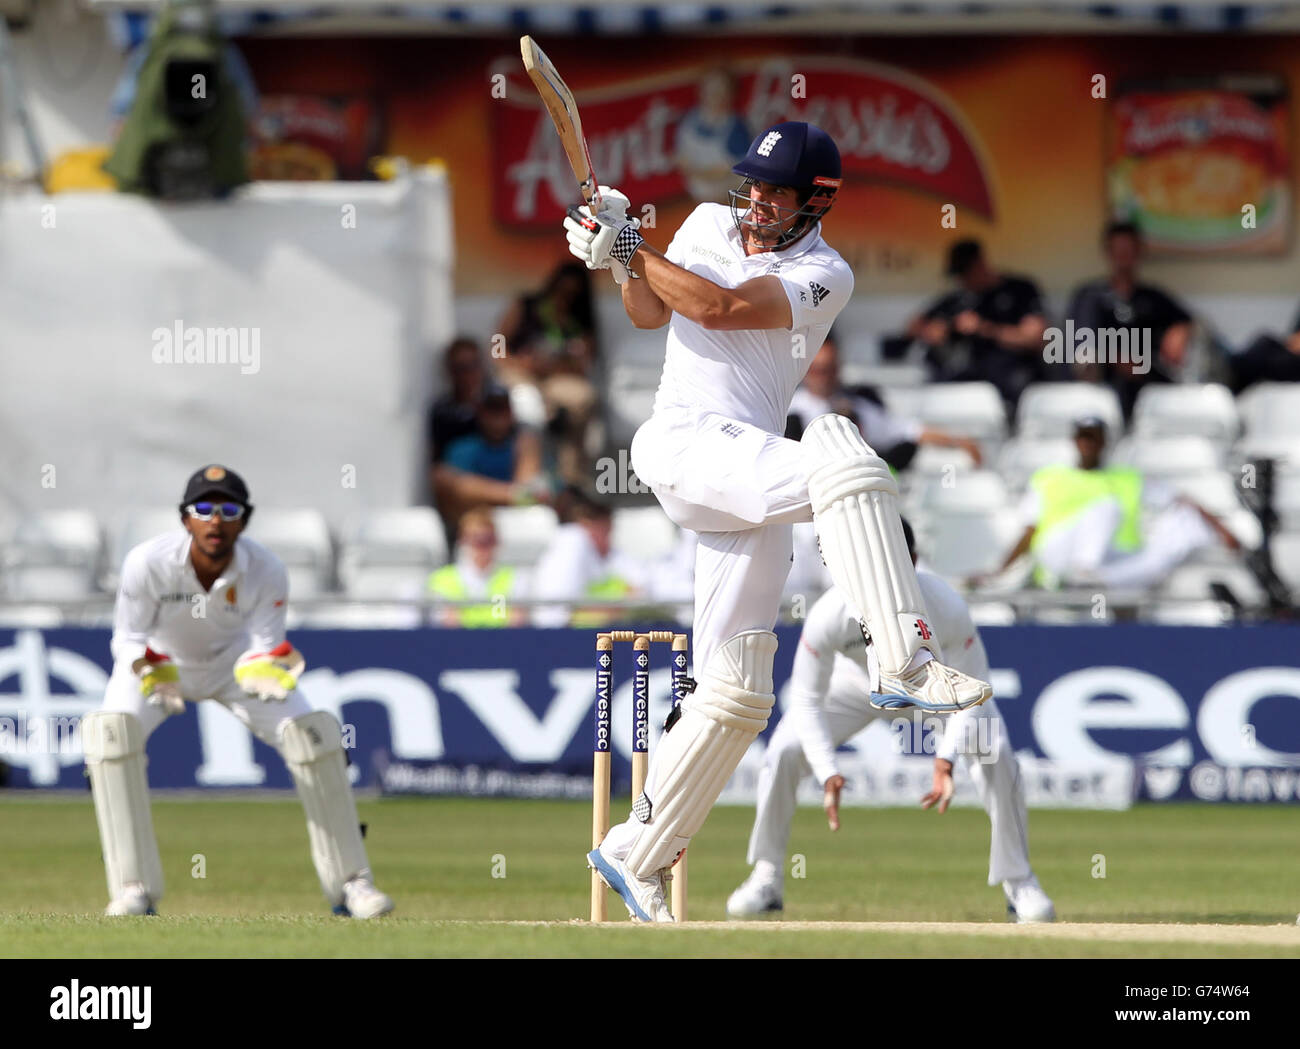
(312, 747)
(855, 511)
(113, 744)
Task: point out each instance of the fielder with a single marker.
(200, 615)
(748, 292)
(835, 669)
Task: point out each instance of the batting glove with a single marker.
(270, 676)
(604, 239)
(160, 681)
(614, 205)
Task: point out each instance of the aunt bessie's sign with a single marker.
(889, 125)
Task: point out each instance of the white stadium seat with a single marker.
(390, 553)
(1049, 409)
(1169, 457)
(1271, 410)
(301, 539)
(1020, 458)
(1286, 558)
(140, 525)
(883, 375)
(643, 532)
(1193, 579)
(977, 490)
(523, 532)
(965, 526)
(972, 409)
(53, 556)
(1176, 410)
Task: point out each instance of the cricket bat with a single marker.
(559, 102)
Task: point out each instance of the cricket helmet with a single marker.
(795, 154)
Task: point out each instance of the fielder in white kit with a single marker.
(835, 671)
(200, 615)
(748, 293)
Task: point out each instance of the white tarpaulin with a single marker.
(288, 332)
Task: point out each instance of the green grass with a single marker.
(1184, 864)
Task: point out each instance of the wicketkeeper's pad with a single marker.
(312, 746)
(113, 743)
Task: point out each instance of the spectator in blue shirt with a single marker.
(499, 464)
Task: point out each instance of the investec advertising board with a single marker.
(1098, 715)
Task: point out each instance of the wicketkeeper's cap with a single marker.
(215, 480)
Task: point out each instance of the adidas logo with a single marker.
(818, 292)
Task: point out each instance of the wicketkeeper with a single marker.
(200, 616)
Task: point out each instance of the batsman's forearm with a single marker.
(696, 298)
(644, 308)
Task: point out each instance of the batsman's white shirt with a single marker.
(749, 376)
(161, 604)
(713, 451)
(832, 643)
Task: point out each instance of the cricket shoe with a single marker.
(134, 901)
(1026, 901)
(644, 897)
(758, 895)
(932, 686)
(362, 900)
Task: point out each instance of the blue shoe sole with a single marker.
(610, 876)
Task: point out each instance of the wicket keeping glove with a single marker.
(160, 681)
(270, 676)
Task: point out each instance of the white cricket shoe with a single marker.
(759, 894)
(133, 901)
(643, 897)
(936, 687)
(1026, 901)
(363, 900)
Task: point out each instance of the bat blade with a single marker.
(558, 99)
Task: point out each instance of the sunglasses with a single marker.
(205, 511)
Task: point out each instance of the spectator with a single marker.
(551, 345)
(1268, 359)
(894, 439)
(476, 576)
(453, 414)
(1119, 301)
(579, 565)
(990, 329)
(499, 464)
(1096, 525)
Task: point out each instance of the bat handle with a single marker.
(581, 219)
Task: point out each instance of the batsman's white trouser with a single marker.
(848, 713)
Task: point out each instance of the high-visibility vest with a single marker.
(447, 583)
(610, 586)
(1066, 491)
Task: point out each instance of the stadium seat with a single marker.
(1205, 410)
(139, 526)
(53, 556)
(972, 409)
(1271, 410)
(523, 532)
(1193, 580)
(301, 539)
(628, 403)
(1168, 457)
(643, 532)
(1215, 490)
(1020, 458)
(1189, 613)
(966, 526)
(862, 373)
(933, 461)
(1049, 409)
(390, 553)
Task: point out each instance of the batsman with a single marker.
(200, 617)
(748, 292)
